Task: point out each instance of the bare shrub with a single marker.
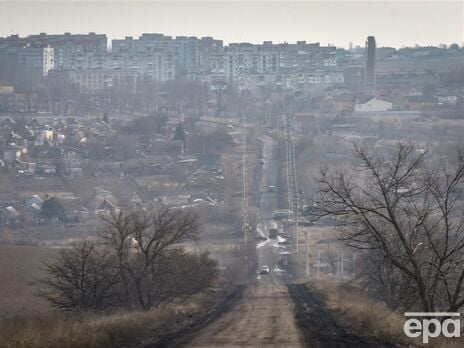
(82, 277)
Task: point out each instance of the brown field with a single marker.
(20, 268)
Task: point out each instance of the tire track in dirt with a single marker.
(319, 327)
(264, 317)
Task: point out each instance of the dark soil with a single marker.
(319, 325)
(178, 336)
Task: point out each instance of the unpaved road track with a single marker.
(319, 326)
(263, 318)
(274, 311)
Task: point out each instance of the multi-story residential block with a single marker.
(162, 58)
(293, 81)
(35, 58)
(31, 57)
(99, 79)
(152, 65)
(70, 50)
(268, 58)
(209, 48)
(245, 58)
(189, 54)
(146, 42)
(158, 51)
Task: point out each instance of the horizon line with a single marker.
(225, 43)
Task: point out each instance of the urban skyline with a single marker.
(337, 23)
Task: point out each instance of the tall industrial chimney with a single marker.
(370, 62)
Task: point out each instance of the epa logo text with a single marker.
(427, 325)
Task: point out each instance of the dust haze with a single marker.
(231, 174)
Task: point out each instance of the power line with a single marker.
(292, 179)
(245, 218)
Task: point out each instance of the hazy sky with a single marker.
(394, 23)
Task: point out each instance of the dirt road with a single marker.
(264, 317)
(275, 311)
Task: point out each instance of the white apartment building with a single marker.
(48, 61)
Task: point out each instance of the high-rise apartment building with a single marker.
(162, 58)
(71, 51)
(191, 55)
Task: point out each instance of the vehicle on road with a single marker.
(264, 269)
(271, 188)
(273, 230)
(304, 222)
(261, 161)
(273, 233)
(281, 214)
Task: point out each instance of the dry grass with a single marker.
(371, 317)
(364, 314)
(20, 267)
(26, 320)
(89, 330)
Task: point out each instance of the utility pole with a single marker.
(307, 265)
(245, 219)
(340, 266)
(292, 182)
(292, 179)
(182, 120)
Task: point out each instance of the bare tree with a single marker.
(141, 242)
(405, 212)
(81, 278)
(137, 262)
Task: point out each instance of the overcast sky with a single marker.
(394, 23)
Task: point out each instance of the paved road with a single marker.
(265, 315)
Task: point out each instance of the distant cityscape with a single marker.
(89, 62)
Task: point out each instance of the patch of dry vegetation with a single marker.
(91, 330)
(370, 317)
(20, 267)
(26, 320)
